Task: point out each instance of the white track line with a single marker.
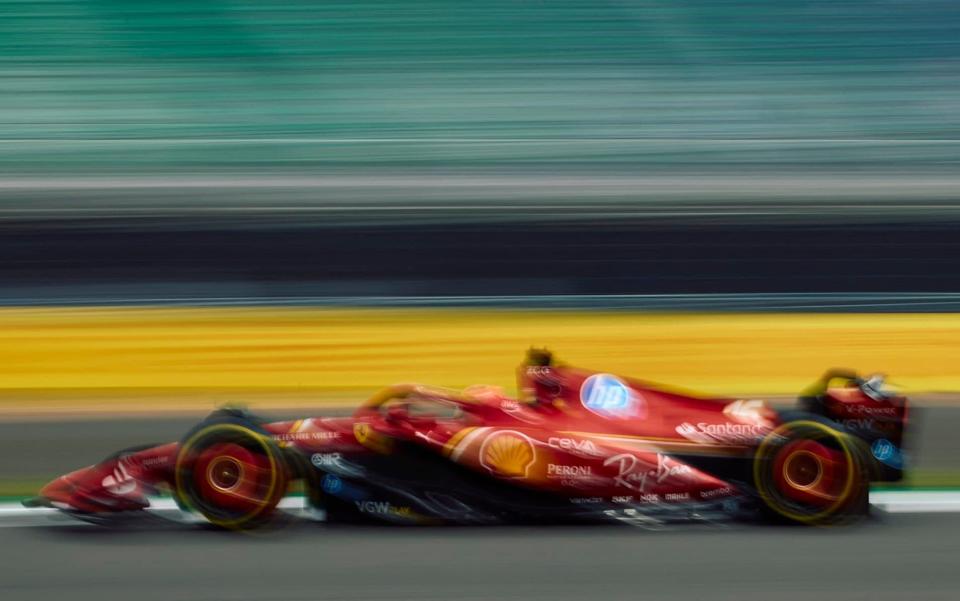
(916, 501)
(15, 514)
(891, 501)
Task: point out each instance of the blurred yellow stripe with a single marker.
(352, 352)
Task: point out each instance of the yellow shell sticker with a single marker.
(508, 454)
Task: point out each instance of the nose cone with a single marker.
(59, 493)
(88, 490)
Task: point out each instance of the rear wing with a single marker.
(866, 410)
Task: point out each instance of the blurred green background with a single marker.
(100, 86)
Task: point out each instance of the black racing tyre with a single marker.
(808, 471)
(231, 472)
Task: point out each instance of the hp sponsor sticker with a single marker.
(331, 484)
(607, 395)
(886, 452)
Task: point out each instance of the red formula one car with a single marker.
(579, 445)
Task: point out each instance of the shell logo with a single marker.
(508, 454)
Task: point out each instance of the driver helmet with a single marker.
(873, 387)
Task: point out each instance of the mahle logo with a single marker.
(607, 395)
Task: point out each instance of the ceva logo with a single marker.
(607, 395)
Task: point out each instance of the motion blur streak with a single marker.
(289, 204)
(361, 86)
(341, 355)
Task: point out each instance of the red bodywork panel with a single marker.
(851, 407)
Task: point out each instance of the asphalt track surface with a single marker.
(890, 557)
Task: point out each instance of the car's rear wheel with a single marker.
(230, 473)
(809, 472)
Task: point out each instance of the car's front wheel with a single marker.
(231, 473)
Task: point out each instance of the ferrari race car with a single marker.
(578, 445)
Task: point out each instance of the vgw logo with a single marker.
(608, 396)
